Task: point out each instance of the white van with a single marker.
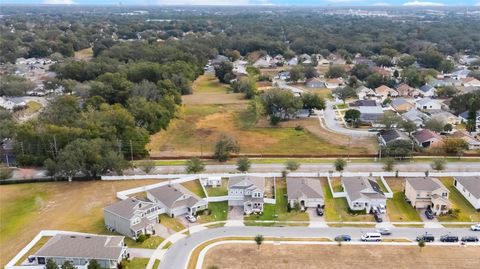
(371, 237)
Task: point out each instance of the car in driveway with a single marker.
(384, 231)
(343, 237)
(475, 227)
(319, 211)
(426, 237)
(448, 238)
(191, 218)
(429, 214)
(469, 238)
(378, 218)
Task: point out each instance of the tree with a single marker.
(51, 167)
(448, 127)
(421, 244)
(146, 166)
(434, 125)
(292, 165)
(455, 146)
(224, 147)
(259, 240)
(339, 240)
(310, 72)
(388, 164)
(472, 117)
(344, 93)
(246, 86)
(68, 265)
(224, 72)
(5, 172)
(281, 104)
(446, 92)
(243, 164)
(353, 116)
(361, 71)
(438, 164)
(297, 73)
(51, 264)
(93, 264)
(409, 126)
(194, 165)
(390, 119)
(312, 101)
(340, 164)
(335, 71)
(399, 149)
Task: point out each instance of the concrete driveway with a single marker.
(429, 223)
(315, 220)
(235, 213)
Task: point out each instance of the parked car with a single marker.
(470, 238)
(319, 211)
(378, 218)
(449, 238)
(475, 227)
(343, 237)
(382, 209)
(429, 214)
(371, 237)
(426, 237)
(191, 218)
(384, 231)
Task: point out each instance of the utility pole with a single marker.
(55, 145)
(131, 150)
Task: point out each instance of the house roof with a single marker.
(170, 195)
(392, 134)
(359, 103)
(126, 208)
(100, 247)
(370, 110)
(415, 115)
(426, 88)
(425, 183)
(309, 188)
(471, 184)
(383, 89)
(400, 101)
(470, 80)
(362, 187)
(424, 135)
(246, 182)
(464, 115)
(425, 101)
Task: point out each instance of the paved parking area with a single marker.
(429, 223)
(315, 220)
(235, 213)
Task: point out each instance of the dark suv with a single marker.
(378, 218)
(426, 238)
(429, 214)
(470, 239)
(449, 238)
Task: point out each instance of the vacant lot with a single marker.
(233, 256)
(26, 209)
(466, 213)
(208, 90)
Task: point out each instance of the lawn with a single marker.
(195, 186)
(152, 243)
(208, 90)
(171, 223)
(26, 209)
(278, 212)
(342, 106)
(218, 212)
(382, 186)
(336, 184)
(135, 263)
(397, 208)
(336, 209)
(467, 211)
(221, 190)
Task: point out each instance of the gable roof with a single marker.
(359, 103)
(100, 247)
(362, 187)
(425, 184)
(126, 208)
(309, 188)
(400, 101)
(425, 101)
(471, 184)
(384, 90)
(392, 134)
(415, 114)
(424, 135)
(426, 88)
(247, 182)
(464, 115)
(171, 196)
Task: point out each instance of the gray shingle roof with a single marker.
(392, 134)
(304, 187)
(126, 208)
(98, 247)
(246, 182)
(472, 184)
(362, 187)
(170, 196)
(424, 183)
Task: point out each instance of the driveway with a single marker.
(315, 220)
(429, 223)
(235, 213)
(140, 252)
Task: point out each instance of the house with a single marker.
(176, 200)
(427, 104)
(211, 181)
(469, 187)
(247, 192)
(307, 192)
(444, 117)
(363, 193)
(384, 92)
(416, 116)
(426, 138)
(401, 105)
(264, 62)
(471, 82)
(406, 91)
(285, 75)
(293, 61)
(364, 92)
(470, 89)
(427, 193)
(315, 83)
(387, 136)
(334, 83)
(464, 117)
(427, 90)
(459, 74)
(359, 103)
(218, 60)
(107, 250)
(370, 114)
(132, 217)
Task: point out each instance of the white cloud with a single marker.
(423, 4)
(477, 4)
(381, 4)
(203, 2)
(59, 2)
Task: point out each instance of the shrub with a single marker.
(142, 238)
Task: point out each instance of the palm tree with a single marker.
(259, 240)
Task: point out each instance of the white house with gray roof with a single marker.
(248, 192)
(132, 217)
(469, 187)
(176, 200)
(307, 192)
(108, 251)
(363, 193)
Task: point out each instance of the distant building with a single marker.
(469, 187)
(315, 83)
(401, 105)
(426, 138)
(307, 192)
(427, 193)
(370, 114)
(363, 193)
(428, 104)
(387, 136)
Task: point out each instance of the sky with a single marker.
(258, 2)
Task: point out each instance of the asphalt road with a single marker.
(177, 254)
(333, 125)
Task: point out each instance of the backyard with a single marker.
(195, 187)
(220, 190)
(467, 211)
(397, 208)
(218, 212)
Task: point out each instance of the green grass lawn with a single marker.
(399, 210)
(336, 209)
(153, 242)
(221, 190)
(219, 212)
(171, 223)
(342, 106)
(278, 212)
(382, 186)
(209, 84)
(135, 263)
(195, 186)
(156, 263)
(336, 184)
(467, 211)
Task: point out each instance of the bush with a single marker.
(298, 128)
(142, 238)
(274, 120)
(5, 172)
